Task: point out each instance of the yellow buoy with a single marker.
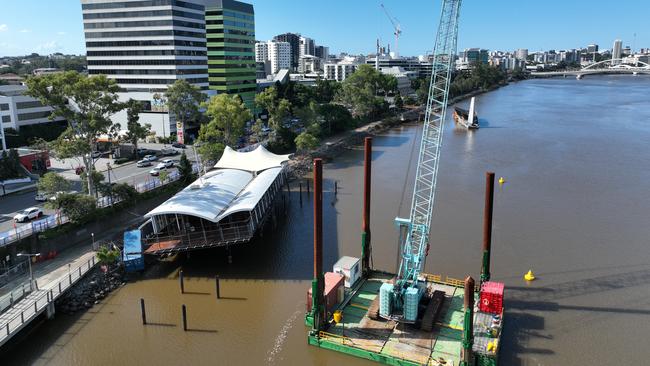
(529, 276)
(338, 316)
(502, 180)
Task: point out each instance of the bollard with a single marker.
(181, 280)
(7, 328)
(336, 187)
(59, 287)
(307, 188)
(22, 317)
(184, 311)
(218, 288)
(79, 271)
(300, 186)
(143, 311)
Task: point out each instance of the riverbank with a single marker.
(329, 148)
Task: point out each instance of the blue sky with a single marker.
(353, 25)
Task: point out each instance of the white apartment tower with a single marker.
(307, 47)
(338, 71)
(278, 53)
(617, 51)
(146, 45)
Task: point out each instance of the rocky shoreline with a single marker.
(88, 292)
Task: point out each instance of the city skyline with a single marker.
(61, 28)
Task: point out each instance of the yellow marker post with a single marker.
(502, 180)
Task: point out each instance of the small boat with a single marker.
(461, 116)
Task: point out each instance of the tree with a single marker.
(86, 103)
(95, 177)
(136, 131)
(107, 257)
(310, 116)
(183, 100)
(336, 118)
(306, 141)
(228, 117)
(257, 128)
(326, 90)
(359, 91)
(51, 182)
(185, 169)
(279, 109)
(10, 165)
(78, 208)
(280, 114)
(399, 102)
(124, 192)
(163, 176)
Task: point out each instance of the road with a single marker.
(129, 173)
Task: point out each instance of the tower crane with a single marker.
(400, 300)
(396, 26)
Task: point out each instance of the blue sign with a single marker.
(132, 252)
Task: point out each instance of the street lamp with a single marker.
(29, 263)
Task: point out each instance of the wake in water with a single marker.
(279, 340)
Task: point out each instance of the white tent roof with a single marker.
(219, 189)
(252, 161)
(251, 195)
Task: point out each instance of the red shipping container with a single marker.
(491, 298)
(334, 291)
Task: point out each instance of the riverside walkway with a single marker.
(52, 281)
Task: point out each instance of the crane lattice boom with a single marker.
(414, 232)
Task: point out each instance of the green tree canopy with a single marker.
(185, 169)
(136, 131)
(183, 101)
(306, 141)
(51, 182)
(228, 117)
(86, 103)
(359, 91)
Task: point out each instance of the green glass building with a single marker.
(230, 32)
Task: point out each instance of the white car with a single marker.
(41, 197)
(155, 171)
(150, 158)
(143, 163)
(168, 163)
(28, 214)
(59, 193)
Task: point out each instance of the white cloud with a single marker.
(61, 33)
(25, 31)
(3, 27)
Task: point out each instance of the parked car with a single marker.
(40, 197)
(161, 166)
(168, 163)
(178, 145)
(155, 171)
(150, 158)
(143, 163)
(96, 154)
(28, 214)
(169, 151)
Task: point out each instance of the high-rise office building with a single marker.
(322, 52)
(294, 41)
(231, 48)
(617, 50)
(146, 45)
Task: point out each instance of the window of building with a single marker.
(4, 107)
(139, 4)
(30, 104)
(33, 115)
(6, 119)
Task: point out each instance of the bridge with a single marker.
(41, 299)
(612, 66)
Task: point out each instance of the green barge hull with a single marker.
(393, 343)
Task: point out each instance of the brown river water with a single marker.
(575, 210)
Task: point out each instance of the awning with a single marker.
(253, 161)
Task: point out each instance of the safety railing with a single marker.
(48, 294)
(17, 294)
(58, 219)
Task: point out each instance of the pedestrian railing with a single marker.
(17, 294)
(48, 293)
(58, 219)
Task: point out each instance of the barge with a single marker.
(463, 116)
